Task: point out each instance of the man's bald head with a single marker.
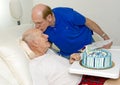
(42, 16)
(41, 10)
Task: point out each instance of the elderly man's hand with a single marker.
(74, 57)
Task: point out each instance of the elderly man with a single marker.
(46, 67)
(49, 69)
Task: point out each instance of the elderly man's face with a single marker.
(42, 40)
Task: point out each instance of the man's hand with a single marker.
(108, 45)
(74, 57)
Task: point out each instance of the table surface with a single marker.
(113, 72)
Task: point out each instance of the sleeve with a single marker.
(77, 18)
(71, 15)
(38, 77)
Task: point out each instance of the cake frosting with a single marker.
(97, 58)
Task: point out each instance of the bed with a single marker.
(14, 62)
(14, 68)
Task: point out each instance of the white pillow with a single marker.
(6, 73)
(27, 50)
(17, 62)
(3, 81)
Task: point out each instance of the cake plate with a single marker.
(113, 72)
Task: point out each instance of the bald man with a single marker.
(69, 30)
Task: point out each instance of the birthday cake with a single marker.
(97, 59)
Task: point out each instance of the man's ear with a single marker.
(49, 17)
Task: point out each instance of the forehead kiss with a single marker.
(34, 33)
(40, 33)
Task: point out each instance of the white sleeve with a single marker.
(37, 76)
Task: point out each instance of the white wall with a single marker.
(6, 20)
(105, 13)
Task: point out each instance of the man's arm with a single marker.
(94, 27)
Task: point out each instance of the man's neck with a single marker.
(36, 52)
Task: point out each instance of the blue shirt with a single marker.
(69, 33)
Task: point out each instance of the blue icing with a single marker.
(98, 58)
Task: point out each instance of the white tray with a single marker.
(113, 72)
